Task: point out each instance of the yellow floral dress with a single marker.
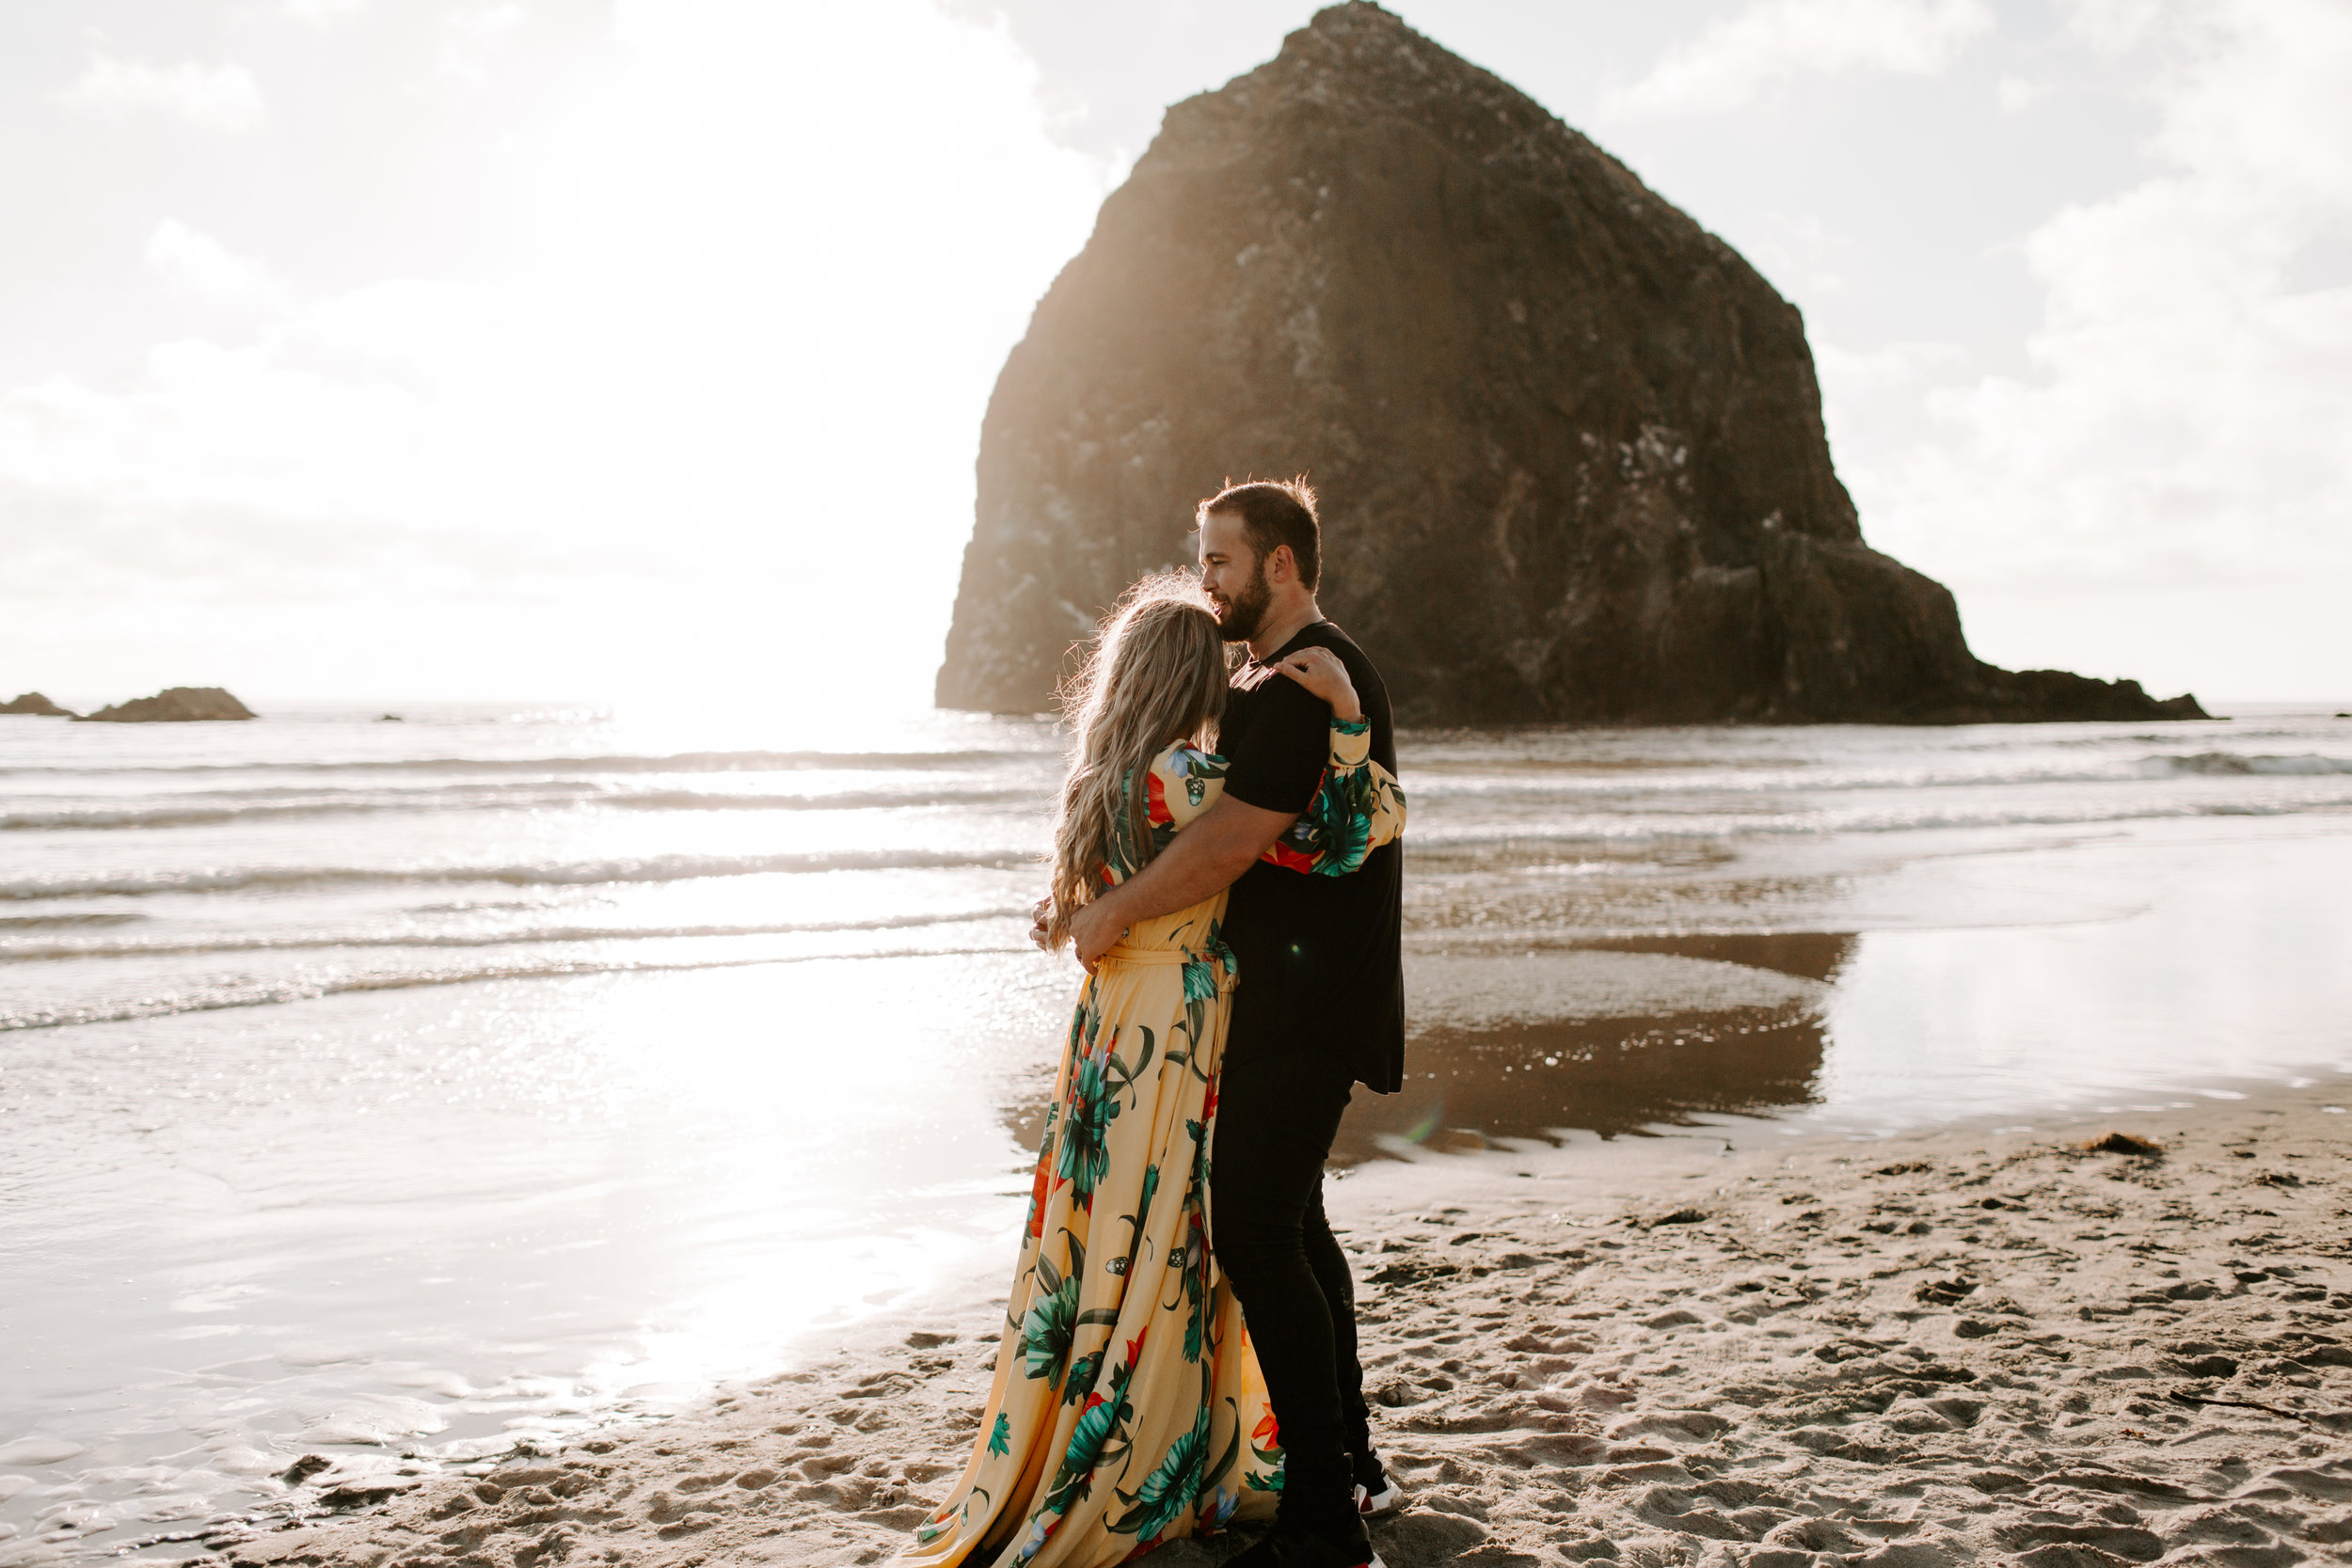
(1127, 1409)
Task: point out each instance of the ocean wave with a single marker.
(679, 762)
(689, 799)
(658, 868)
(1721, 827)
(50, 922)
(2238, 764)
(1618, 782)
(180, 814)
(2241, 730)
(274, 993)
(555, 934)
(1566, 781)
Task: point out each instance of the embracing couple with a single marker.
(1180, 1346)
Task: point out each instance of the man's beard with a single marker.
(1244, 613)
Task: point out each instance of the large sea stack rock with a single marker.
(172, 705)
(1569, 444)
(38, 705)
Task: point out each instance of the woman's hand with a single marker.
(1319, 670)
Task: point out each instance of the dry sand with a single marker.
(1956, 1348)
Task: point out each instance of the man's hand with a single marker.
(1094, 931)
(1038, 917)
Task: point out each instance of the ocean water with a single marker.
(416, 1092)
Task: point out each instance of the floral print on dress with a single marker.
(1126, 1408)
(1358, 806)
(1355, 811)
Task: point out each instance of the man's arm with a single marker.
(1205, 858)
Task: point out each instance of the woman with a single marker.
(1126, 1408)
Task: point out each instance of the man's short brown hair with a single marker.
(1275, 512)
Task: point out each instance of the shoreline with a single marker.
(1941, 1346)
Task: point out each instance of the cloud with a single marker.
(471, 39)
(1885, 368)
(323, 13)
(2016, 93)
(194, 264)
(2185, 415)
(213, 97)
(2115, 26)
(1800, 251)
(1771, 41)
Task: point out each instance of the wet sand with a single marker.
(1970, 1345)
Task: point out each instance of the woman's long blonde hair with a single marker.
(1155, 676)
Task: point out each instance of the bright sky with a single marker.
(390, 349)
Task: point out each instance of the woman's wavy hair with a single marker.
(1156, 674)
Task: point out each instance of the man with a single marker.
(1320, 1008)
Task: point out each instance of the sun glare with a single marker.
(704, 404)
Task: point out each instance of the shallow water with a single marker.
(439, 1086)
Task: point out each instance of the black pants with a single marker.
(1275, 1120)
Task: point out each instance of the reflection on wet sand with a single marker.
(1606, 1075)
(1809, 954)
(1468, 1085)
(1471, 1083)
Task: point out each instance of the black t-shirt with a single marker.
(1320, 957)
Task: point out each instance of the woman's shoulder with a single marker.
(1184, 779)
(1183, 761)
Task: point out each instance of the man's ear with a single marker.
(1281, 566)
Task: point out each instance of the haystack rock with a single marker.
(38, 705)
(1569, 444)
(174, 704)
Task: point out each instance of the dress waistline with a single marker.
(1218, 956)
(1127, 955)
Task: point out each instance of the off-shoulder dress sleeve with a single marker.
(1182, 783)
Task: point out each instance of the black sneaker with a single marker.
(1289, 1545)
(1376, 1494)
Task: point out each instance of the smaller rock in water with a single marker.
(33, 703)
(2122, 1142)
(174, 704)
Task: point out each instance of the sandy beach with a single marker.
(425, 1095)
(1965, 1346)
